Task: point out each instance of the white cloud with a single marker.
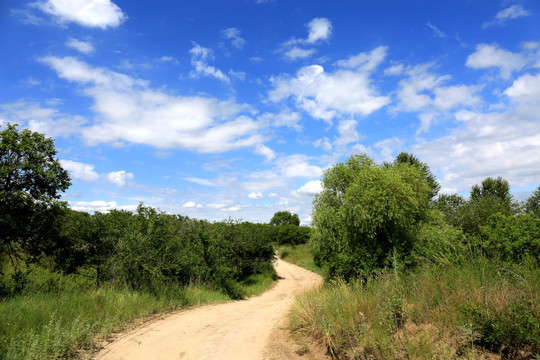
(191, 204)
(265, 151)
(513, 12)
(388, 148)
(284, 118)
(436, 30)
(129, 111)
(99, 206)
(323, 143)
(90, 13)
(84, 47)
(255, 195)
(80, 170)
(44, 119)
(169, 59)
(325, 95)
(296, 53)
(119, 178)
(215, 206)
(200, 181)
(487, 56)
(319, 29)
(366, 61)
(311, 188)
(347, 133)
(525, 88)
(232, 209)
(233, 34)
(199, 60)
(272, 195)
(297, 166)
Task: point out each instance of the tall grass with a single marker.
(438, 312)
(45, 323)
(300, 255)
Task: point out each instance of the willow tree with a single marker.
(366, 216)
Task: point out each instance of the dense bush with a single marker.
(366, 216)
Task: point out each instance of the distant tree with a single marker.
(367, 216)
(532, 205)
(406, 158)
(31, 179)
(491, 197)
(451, 207)
(285, 218)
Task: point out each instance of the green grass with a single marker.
(448, 311)
(299, 255)
(50, 325)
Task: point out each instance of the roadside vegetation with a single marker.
(69, 279)
(410, 275)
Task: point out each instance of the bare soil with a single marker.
(247, 329)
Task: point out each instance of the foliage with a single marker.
(451, 206)
(491, 197)
(406, 158)
(532, 205)
(285, 218)
(31, 179)
(511, 238)
(366, 216)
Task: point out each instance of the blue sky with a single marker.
(217, 109)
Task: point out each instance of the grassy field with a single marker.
(476, 309)
(62, 316)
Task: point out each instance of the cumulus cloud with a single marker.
(199, 60)
(513, 12)
(296, 53)
(191, 204)
(487, 56)
(84, 47)
(80, 170)
(255, 195)
(119, 178)
(325, 95)
(318, 29)
(284, 118)
(233, 34)
(423, 91)
(129, 111)
(347, 133)
(297, 166)
(89, 13)
(311, 188)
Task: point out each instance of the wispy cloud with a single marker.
(503, 16)
(199, 59)
(84, 47)
(233, 34)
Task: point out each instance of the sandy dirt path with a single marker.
(236, 330)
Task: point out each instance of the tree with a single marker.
(406, 158)
(492, 196)
(285, 218)
(532, 205)
(367, 216)
(31, 179)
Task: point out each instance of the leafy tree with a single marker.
(367, 215)
(492, 196)
(406, 158)
(285, 218)
(31, 179)
(451, 207)
(532, 205)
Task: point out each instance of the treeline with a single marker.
(149, 249)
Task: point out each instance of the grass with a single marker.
(299, 255)
(47, 324)
(473, 310)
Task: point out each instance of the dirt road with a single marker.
(237, 330)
